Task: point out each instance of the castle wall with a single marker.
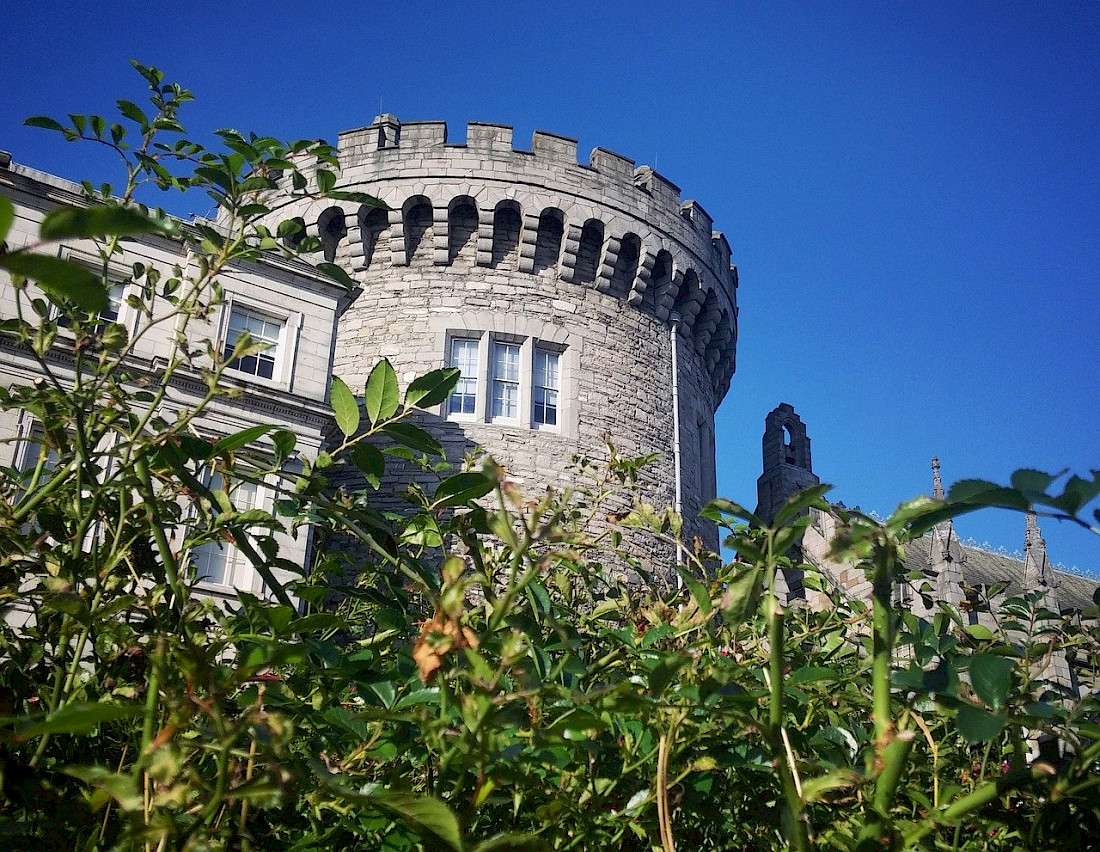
(493, 247)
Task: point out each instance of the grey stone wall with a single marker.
(484, 241)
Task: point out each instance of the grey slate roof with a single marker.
(984, 568)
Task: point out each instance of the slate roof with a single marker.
(984, 568)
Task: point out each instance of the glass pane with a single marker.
(545, 391)
(505, 396)
(463, 355)
(262, 330)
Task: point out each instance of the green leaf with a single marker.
(345, 406)
(991, 678)
(381, 393)
(513, 843)
(101, 221)
(133, 112)
(370, 461)
(698, 591)
(979, 492)
(337, 274)
(7, 216)
(1031, 480)
(977, 725)
(424, 814)
(461, 488)
(414, 438)
(61, 279)
(741, 597)
(44, 122)
(980, 632)
(284, 441)
(121, 788)
(240, 439)
(79, 719)
(431, 388)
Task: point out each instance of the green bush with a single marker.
(485, 681)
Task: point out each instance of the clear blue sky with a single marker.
(911, 190)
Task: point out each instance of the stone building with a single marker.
(287, 303)
(580, 301)
(949, 570)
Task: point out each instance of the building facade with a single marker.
(580, 301)
(284, 303)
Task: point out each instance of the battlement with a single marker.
(608, 224)
(548, 152)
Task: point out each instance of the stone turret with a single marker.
(945, 556)
(787, 466)
(550, 283)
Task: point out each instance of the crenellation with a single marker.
(612, 165)
(552, 149)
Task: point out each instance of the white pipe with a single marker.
(678, 498)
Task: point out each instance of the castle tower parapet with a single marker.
(549, 282)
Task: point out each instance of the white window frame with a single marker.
(118, 274)
(541, 348)
(475, 339)
(286, 350)
(498, 343)
(238, 573)
(528, 348)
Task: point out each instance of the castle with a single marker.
(580, 301)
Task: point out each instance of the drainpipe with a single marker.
(678, 499)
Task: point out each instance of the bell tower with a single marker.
(787, 467)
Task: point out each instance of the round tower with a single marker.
(580, 301)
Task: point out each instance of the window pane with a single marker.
(505, 395)
(262, 330)
(545, 391)
(463, 355)
(220, 562)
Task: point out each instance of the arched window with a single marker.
(626, 267)
(589, 252)
(659, 280)
(506, 227)
(374, 222)
(462, 230)
(548, 241)
(332, 228)
(788, 445)
(418, 230)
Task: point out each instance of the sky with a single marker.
(911, 189)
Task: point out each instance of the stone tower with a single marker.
(580, 301)
(787, 467)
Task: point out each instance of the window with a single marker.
(545, 386)
(510, 379)
(262, 329)
(505, 391)
(220, 562)
(463, 355)
(109, 314)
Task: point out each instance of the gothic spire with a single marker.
(937, 483)
(1037, 570)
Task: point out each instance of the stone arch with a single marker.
(419, 218)
(660, 279)
(707, 321)
(689, 298)
(374, 222)
(626, 265)
(507, 222)
(332, 227)
(549, 240)
(589, 252)
(462, 224)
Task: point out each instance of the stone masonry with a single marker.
(599, 263)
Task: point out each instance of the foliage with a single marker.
(496, 672)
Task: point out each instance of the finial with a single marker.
(1033, 537)
(937, 483)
